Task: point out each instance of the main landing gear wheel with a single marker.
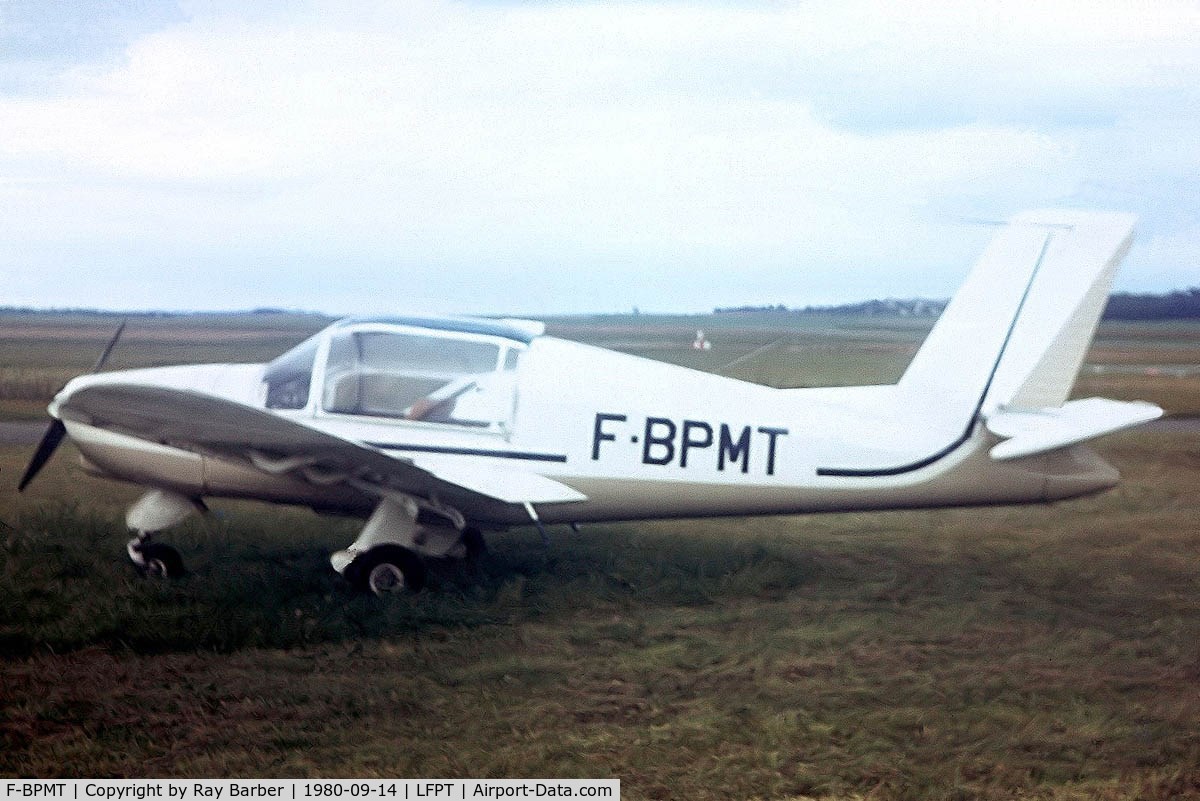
(386, 569)
(472, 540)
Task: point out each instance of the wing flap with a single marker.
(1028, 433)
(505, 485)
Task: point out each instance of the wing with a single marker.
(274, 444)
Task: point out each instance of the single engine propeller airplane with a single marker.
(435, 429)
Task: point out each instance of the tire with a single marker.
(472, 540)
(162, 561)
(386, 570)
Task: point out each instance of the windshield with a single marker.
(431, 378)
(287, 378)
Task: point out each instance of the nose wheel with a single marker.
(154, 558)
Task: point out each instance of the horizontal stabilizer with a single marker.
(1030, 432)
(504, 485)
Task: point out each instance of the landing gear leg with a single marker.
(387, 556)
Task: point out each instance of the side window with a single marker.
(482, 399)
(417, 377)
(288, 377)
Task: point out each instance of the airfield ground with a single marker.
(1042, 651)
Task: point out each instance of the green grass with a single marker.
(1029, 651)
(1040, 652)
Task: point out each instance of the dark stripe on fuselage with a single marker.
(966, 434)
(533, 457)
(904, 468)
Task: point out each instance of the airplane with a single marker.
(436, 429)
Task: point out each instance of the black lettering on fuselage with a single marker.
(734, 450)
(689, 441)
(771, 433)
(598, 434)
(664, 439)
(651, 439)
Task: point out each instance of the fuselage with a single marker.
(640, 438)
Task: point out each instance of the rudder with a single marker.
(1017, 331)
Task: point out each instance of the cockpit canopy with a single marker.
(446, 371)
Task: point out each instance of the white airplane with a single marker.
(436, 429)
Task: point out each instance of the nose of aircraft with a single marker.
(74, 385)
(57, 430)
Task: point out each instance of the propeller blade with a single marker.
(45, 449)
(112, 343)
(57, 430)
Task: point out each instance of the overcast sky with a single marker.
(534, 158)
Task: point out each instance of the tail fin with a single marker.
(1017, 331)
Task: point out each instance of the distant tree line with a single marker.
(1178, 305)
(779, 307)
(891, 307)
(82, 310)
(1182, 304)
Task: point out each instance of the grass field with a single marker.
(1153, 361)
(1042, 652)
(40, 352)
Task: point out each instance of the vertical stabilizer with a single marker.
(1068, 296)
(1017, 331)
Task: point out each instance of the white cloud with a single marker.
(798, 153)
